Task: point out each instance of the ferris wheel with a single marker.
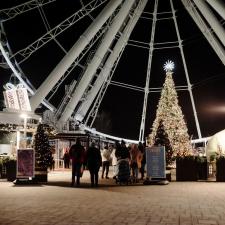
(76, 57)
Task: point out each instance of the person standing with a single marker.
(122, 151)
(114, 160)
(94, 161)
(77, 154)
(118, 150)
(125, 154)
(66, 159)
(134, 152)
(141, 148)
(105, 161)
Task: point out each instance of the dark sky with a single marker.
(207, 73)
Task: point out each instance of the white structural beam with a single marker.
(94, 110)
(186, 71)
(73, 53)
(219, 6)
(97, 59)
(218, 48)
(100, 134)
(105, 72)
(212, 20)
(151, 44)
(66, 99)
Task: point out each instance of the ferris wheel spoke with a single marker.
(77, 61)
(81, 2)
(48, 28)
(25, 53)
(111, 63)
(10, 13)
(79, 58)
(6, 48)
(100, 54)
(20, 78)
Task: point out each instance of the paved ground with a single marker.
(57, 203)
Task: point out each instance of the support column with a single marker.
(97, 59)
(103, 76)
(73, 53)
(213, 41)
(143, 117)
(212, 20)
(219, 6)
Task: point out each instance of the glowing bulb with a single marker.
(169, 66)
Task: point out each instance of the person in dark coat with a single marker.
(77, 154)
(94, 161)
(141, 147)
(122, 151)
(118, 150)
(66, 159)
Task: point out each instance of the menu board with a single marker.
(155, 159)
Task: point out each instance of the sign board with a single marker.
(25, 163)
(156, 164)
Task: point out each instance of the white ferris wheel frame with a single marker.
(198, 9)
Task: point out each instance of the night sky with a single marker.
(122, 106)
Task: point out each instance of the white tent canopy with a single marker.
(216, 143)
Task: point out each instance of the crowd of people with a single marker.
(93, 158)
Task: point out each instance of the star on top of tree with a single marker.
(169, 66)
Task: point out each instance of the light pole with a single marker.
(24, 116)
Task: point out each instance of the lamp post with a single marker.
(24, 116)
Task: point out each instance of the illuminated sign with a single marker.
(16, 97)
(156, 163)
(25, 163)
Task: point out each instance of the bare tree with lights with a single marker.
(169, 124)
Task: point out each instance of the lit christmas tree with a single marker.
(169, 118)
(42, 148)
